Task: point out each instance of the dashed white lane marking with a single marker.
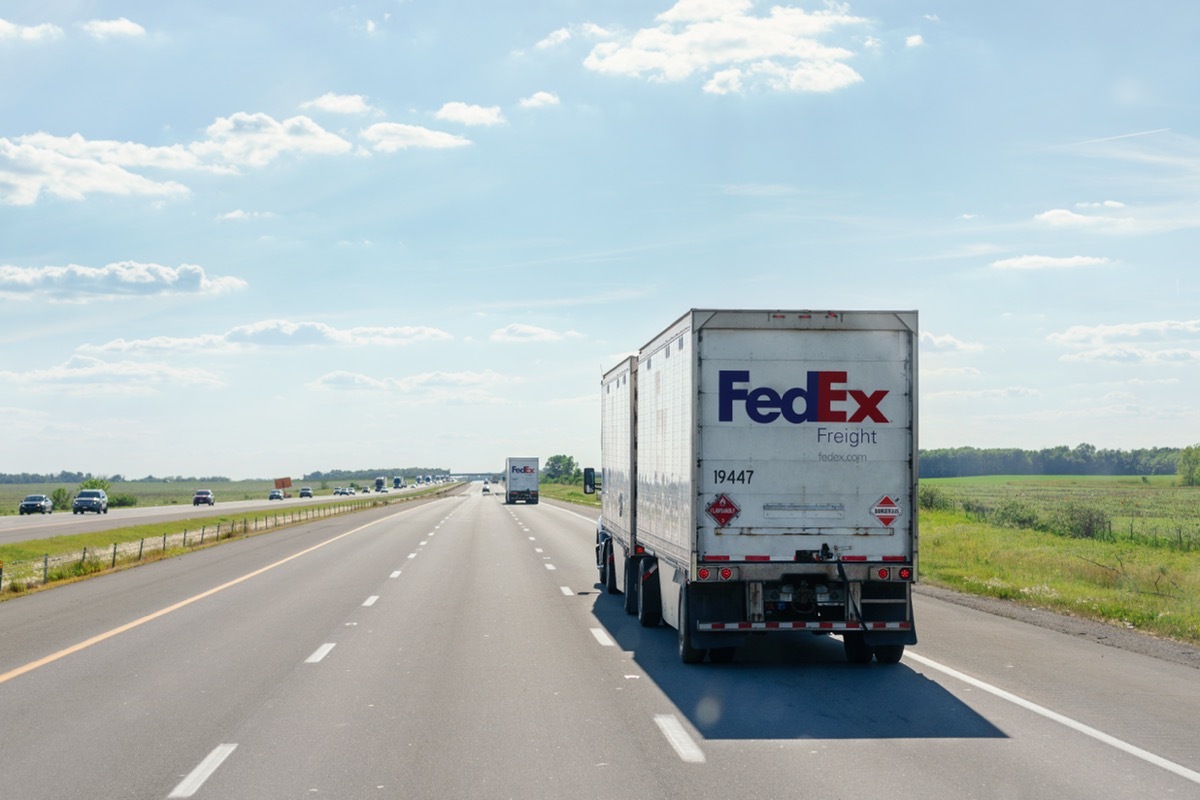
(319, 653)
(538, 550)
(412, 555)
(203, 771)
(550, 567)
(678, 738)
(566, 590)
(602, 637)
(396, 574)
(370, 601)
(1074, 725)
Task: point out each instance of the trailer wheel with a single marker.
(889, 653)
(649, 598)
(688, 653)
(857, 651)
(631, 585)
(610, 570)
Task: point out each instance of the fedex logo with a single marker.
(523, 470)
(821, 399)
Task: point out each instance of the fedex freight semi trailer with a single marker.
(521, 480)
(772, 479)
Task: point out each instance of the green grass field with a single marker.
(1013, 537)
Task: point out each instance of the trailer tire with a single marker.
(649, 597)
(889, 653)
(610, 570)
(688, 653)
(856, 648)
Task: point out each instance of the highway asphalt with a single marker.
(462, 648)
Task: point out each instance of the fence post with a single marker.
(141, 547)
(164, 543)
(114, 558)
(45, 568)
(84, 559)
(203, 528)
(185, 537)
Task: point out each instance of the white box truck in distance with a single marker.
(767, 482)
(521, 480)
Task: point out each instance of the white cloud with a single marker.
(946, 343)
(470, 115)
(1007, 392)
(554, 39)
(105, 28)
(29, 33)
(916, 40)
(278, 333)
(734, 50)
(84, 375)
(340, 104)
(539, 100)
(388, 137)
(519, 332)
(76, 283)
(429, 388)
(258, 139)
(1049, 262)
(28, 169)
(238, 215)
(1163, 330)
(1160, 342)
(73, 167)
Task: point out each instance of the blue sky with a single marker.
(262, 239)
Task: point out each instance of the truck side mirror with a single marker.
(589, 480)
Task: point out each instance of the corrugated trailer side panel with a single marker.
(665, 424)
(617, 450)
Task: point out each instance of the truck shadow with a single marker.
(793, 686)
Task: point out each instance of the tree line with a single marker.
(1084, 459)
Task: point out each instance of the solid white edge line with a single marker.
(678, 738)
(602, 637)
(1074, 725)
(319, 653)
(203, 771)
(574, 514)
(370, 601)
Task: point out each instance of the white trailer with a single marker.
(521, 480)
(772, 479)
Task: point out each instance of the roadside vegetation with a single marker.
(1121, 550)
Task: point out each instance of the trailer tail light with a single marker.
(639, 550)
(883, 573)
(716, 573)
(906, 573)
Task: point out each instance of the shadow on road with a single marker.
(793, 686)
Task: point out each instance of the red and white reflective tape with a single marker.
(804, 626)
(791, 560)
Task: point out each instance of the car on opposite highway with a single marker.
(36, 504)
(275, 494)
(90, 500)
(306, 492)
(203, 497)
